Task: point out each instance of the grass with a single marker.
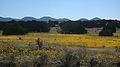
(88, 40)
(59, 49)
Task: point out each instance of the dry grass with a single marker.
(88, 40)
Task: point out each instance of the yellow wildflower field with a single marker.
(88, 40)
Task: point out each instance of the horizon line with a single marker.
(60, 17)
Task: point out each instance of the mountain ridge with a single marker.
(27, 18)
(44, 18)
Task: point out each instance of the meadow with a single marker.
(87, 40)
(59, 50)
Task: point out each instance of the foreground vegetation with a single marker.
(59, 50)
(57, 57)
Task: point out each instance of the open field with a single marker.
(59, 50)
(87, 40)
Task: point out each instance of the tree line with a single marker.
(78, 27)
(23, 27)
(67, 27)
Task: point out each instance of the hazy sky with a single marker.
(72, 9)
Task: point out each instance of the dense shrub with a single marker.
(22, 27)
(105, 33)
(42, 61)
(110, 26)
(73, 28)
(13, 29)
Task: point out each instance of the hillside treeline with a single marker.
(68, 27)
(23, 27)
(78, 27)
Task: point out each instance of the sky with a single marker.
(71, 9)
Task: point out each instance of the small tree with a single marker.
(39, 43)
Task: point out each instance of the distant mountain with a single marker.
(52, 19)
(63, 19)
(96, 18)
(83, 19)
(5, 19)
(46, 18)
(28, 19)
